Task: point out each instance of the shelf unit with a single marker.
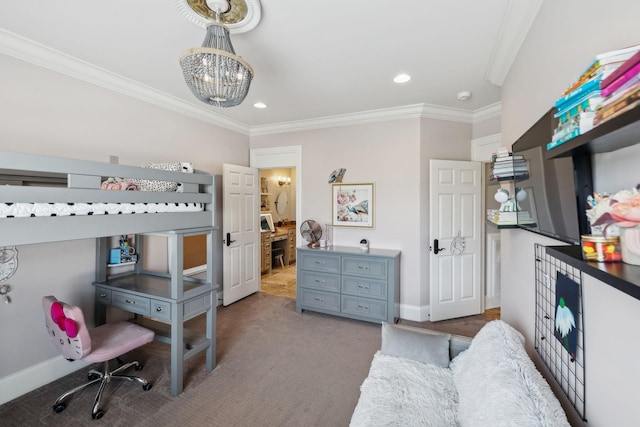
(619, 132)
(163, 302)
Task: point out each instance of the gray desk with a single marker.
(163, 302)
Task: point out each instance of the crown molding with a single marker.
(515, 25)
(27, 50)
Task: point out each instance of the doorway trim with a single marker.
(281, 157)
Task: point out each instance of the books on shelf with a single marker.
(509, 158)
(622, 69)
(624, 104)
(510, 218)
(621, 80)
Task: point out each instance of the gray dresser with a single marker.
(349, 282)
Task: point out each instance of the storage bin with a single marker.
(601, 248)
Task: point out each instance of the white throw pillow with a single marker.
(422, 347)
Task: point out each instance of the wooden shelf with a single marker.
(620, 132)
(622, 276)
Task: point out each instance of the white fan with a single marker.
(311, 231)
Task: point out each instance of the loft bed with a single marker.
(49, 199)
(29, 179)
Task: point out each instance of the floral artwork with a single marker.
(566, 313)
(353, 205)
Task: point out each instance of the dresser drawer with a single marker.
(160, 310)
(319, 300)
(322, 281)
(319, 262)
(364, 267)
(103, 296)
(374, 309)
(364, 287)
(129, 302)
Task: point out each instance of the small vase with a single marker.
(630, 244)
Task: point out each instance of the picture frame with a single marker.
(352, 205)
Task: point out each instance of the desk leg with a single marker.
(211, 334)
(100, 313)
(177, 352)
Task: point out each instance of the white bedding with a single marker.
(403, 392)
(25, 210)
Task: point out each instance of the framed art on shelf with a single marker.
(352, 205)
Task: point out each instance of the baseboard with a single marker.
(414, 313)
(22, 382)
(492, 302)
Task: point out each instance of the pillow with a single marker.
(424, 347)
(155, 185)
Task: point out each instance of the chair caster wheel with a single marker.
(147, 387)
(59, 408)
(139, 367)
(93, 376)
(98, 414)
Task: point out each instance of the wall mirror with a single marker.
(281, 203)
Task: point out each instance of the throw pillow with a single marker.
(422, 347)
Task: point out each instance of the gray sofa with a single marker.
(427, 378)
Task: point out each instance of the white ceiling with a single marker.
(312, 60)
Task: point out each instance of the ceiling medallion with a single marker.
(243, 15)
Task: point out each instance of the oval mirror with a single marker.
(281, 203)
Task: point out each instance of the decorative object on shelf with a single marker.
(336, 176)
(213, 72)
(264, 185)
(600, 248)
(364, 244)
(311, 232)
(328, 234)
(352, 205)
(622, 210)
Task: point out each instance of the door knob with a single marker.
(437, 249)
(228, 240)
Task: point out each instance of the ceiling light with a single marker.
(402, 78)
(213, 72)
(260, 105)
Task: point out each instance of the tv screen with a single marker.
(555, 188)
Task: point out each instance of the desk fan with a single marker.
(311, 232)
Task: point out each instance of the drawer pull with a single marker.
(158, 309)
(363, 267)
(128, 301)
(319, 299)
(103, 295)
(363, 287)
(321, 262)
(366, 307)
(320, 281)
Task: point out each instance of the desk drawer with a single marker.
(374, 309)
(364, 287)
(319, 300)
(132, 303)
(364, 267)
(103, 295)
(319, 262)
(160, 310)
(322, 281)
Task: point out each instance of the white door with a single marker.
(455, 192)
(241, 232)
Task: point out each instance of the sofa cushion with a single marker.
(403, 392)
(498, 384)
(432, 348)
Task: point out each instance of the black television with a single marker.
(557, 189)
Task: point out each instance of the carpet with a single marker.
(275, 367)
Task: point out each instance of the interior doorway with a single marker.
(282, 169)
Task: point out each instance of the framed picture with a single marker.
(352, 205)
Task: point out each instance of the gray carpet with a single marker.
(275, 368)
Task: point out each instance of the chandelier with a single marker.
(213, 72)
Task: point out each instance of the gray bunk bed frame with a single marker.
(169, 298)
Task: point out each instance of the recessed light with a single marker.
(260, 105)
(402, 78)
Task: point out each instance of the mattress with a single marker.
(25, 210)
